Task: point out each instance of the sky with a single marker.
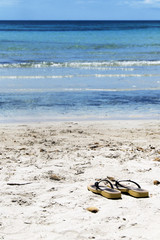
(79, 9)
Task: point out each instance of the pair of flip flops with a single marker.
(112, 189)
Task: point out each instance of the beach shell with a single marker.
(92, 209)
(156, 182)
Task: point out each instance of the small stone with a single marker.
(42, 150)
(156, 182)
(152, 147)
(92, 209)
(140, 149)
(55, 177)
(94, 147)
(157, 159)
(80, 131)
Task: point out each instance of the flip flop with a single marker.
(106, 191)
(136, 191)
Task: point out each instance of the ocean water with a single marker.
(66, 70)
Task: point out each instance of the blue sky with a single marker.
(79, 9)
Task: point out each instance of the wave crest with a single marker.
(103, 64)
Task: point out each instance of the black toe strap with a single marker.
(118, 183)
(103, 180)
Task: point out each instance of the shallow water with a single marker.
(79, 70)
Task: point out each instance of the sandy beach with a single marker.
(45, 169)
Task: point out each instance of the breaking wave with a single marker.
(104, 64)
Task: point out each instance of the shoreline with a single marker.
(46, 167)
(77, 119)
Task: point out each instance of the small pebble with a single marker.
(140, 149)
(42, 150)
(157, 159)
(92, 209)
(55, 177)
(156, 182)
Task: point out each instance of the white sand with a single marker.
(48, 209)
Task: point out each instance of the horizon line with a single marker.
(109, 20)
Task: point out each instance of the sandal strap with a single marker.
(103, 180)
(118, 184)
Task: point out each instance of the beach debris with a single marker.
(22, 201)
(55, 177)
(157, 159)
(79, 171)
(156, 182)
(22, 149)
(27, 222)
(92, 209)
(18, 184)
(94, 146)
(80, 131)
(42, 150)
(140, 149)
(151, 147)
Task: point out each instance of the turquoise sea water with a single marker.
(52, 70)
